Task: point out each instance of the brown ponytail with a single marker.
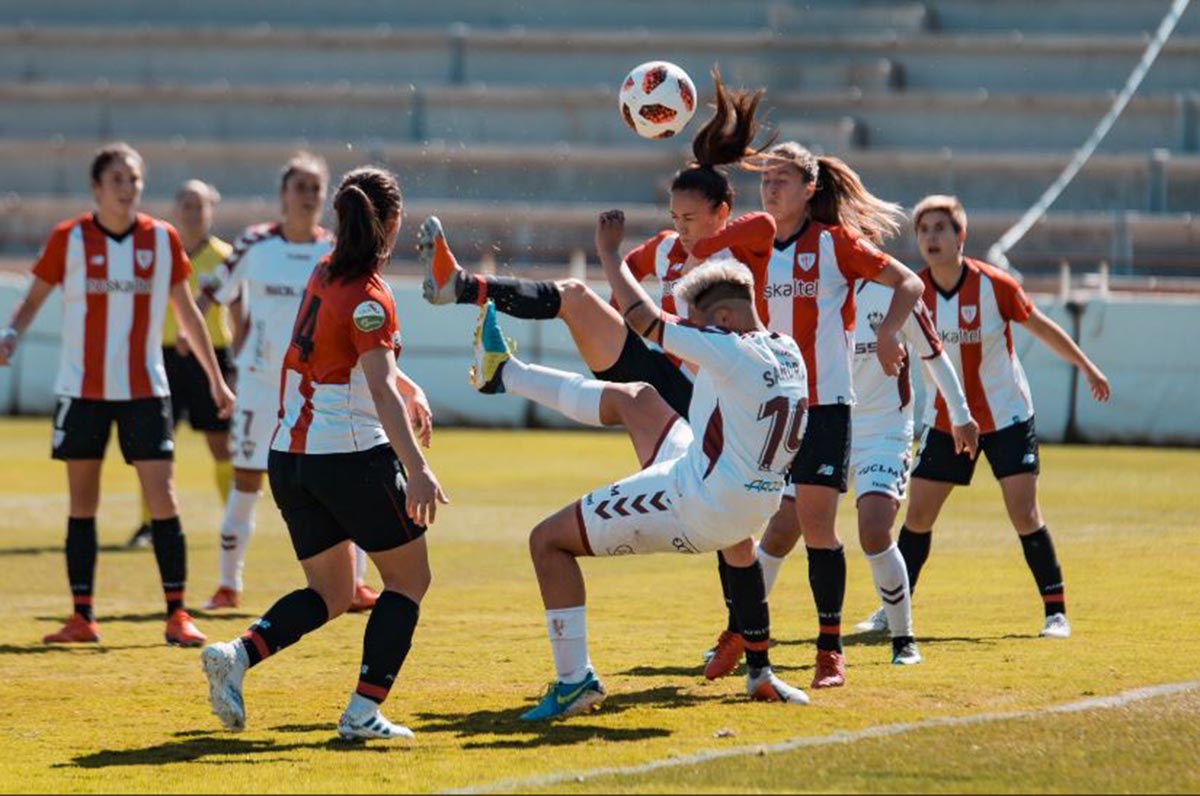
(724, 139)
(840, 198)
(366, 201)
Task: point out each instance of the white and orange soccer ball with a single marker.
(657, 99)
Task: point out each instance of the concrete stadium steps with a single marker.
(527, 232)
(578, 57)
(975, 121)
(619, 175)
(664, 17)
(1065, 16)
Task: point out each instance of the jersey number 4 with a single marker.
(787, 427)
(306, 325)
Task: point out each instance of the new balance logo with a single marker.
(1029, 458)
(825, 469)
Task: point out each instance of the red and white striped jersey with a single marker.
(268, 273)
(809, 295)
(115, 292)
(884, 404)
(974, 321)
(748, 239)
(325, 403)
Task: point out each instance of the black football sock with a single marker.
(295, 614)
(731, 621)
(532, 299)
(1043, 563)
(827, 578)
(81, 562)
(170, 550)
(915, 549)
(749, 597)
(386, 643)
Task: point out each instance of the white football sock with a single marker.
(567, 628)
(570, 394)
(770, 567)
(236, 528)
(891, 581)
(360, 565)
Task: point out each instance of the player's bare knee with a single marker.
(574, 294)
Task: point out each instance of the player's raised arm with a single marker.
(635, 304)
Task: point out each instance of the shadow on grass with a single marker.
(522, 735)
(152, 616)
(43, 649)
(209, 748)
(9, 552)
(873, 638)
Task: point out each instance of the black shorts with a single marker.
(190, 395)
(640, 362)
(1010, 451)
(331, 497)
(824, 456)
(144, 429)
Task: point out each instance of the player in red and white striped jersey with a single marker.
(974, 305)
(118, 270)
(828, 230)
(335, 467)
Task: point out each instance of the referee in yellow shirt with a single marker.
(194, 204)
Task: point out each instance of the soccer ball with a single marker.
(657, 99)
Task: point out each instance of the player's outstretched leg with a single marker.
(225, 664)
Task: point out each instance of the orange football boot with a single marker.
(830, 671)
(182, 631)
(727, 654)
(77, 630)
(364, 599)
(223, 597)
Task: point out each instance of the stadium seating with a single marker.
(502, 116)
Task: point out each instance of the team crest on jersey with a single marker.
(874, 319)
(97, 259)
(369, 316)
(144, 257)
(968, 312)
(806, 260)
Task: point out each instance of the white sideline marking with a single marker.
(880, 731)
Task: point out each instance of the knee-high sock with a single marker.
(170, 551)
(568, 393)
(81, 563)
(749, 598)
(360, 565)
(770, 567)
(293, 615)
(891, 581)
(223, 472)
(236, 529)
(531, 299)
(567, 629)
(827, 578)
(731, 619)
(1043, 563)
(386, 643)
(915, 549)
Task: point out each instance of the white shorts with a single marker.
(255, 415)
(881, 465)
(645, 513)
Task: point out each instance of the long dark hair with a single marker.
(724, 139)
(366, 201)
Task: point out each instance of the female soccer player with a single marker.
(194, 204)
(705, 486)
(345, 465)
(974, 305)
(118, 269)
(266, 274)
(829, 226)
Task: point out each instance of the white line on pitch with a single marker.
(880, 731)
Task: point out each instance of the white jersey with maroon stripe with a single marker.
(748, 414)
(115, 293)
(884, 403)
(326, 404)
(268, 273)
(974, 322)
(809, 296)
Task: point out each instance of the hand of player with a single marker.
(890, 352)
(1098, 382)
(420, 416)
(424, 493)
(966, 438)
(223, 399)
(610, 231)
(8, 345)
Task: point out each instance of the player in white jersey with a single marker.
(700, 491)
(344, 466)
(973, 305)
(118, 269)
(881, 450)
